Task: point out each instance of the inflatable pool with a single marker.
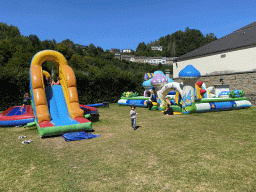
(139, 101)
(221, 104)
(14, 117)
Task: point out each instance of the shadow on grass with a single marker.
(137, 127)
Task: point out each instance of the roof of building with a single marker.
(82, 46)
(242, 37)
(171, 58)
(156, 57)
(127, 55)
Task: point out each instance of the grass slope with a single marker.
(209, 151)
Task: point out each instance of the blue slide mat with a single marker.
(76, 136)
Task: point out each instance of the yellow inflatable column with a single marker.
(39, 94)
(68, 82)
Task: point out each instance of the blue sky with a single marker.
(124, 24)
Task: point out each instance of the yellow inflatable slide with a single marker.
(56, 107)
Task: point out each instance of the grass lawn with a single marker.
(200, 152)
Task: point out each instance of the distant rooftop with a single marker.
(82, 46)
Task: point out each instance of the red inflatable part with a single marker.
(87, 108)
(81, 120)
(199, 83)
(202, 91)
(28, 114)
(45, 124)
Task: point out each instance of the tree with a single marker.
(78, 62)
(46, 44)
(92, 50)
(8, 31)
(34, 39)
(62, 48)
(191, 40)
(7, 49)
(79, 51)
(173, 48)
(141, 47)
(70, 44)
(99, 50)
(209, 38)
(54, 41)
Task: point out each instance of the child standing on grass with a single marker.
(133, 116)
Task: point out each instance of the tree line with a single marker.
(174, 45)
(100, 77)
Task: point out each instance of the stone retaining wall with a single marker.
(241, 81)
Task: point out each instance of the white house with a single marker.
(147, 60)
(156, 48)
(114, 50)
(229, 60)
(157, 60)
(127, 50)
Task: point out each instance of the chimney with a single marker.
(167, 73)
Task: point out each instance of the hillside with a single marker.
(176, 44)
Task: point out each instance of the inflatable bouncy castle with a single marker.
(56, 108)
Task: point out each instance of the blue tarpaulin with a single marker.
(75, 136)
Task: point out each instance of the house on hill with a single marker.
(126, 50)
(82, 46)
(114, 50)
(230, 61)
(156, 48)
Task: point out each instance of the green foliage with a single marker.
(46, 44)
(7, 49)
(70, 45)
(241, 93)
(7, 32)
(62, 48)
(176, 44)
(232, 94)
(141, 47)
